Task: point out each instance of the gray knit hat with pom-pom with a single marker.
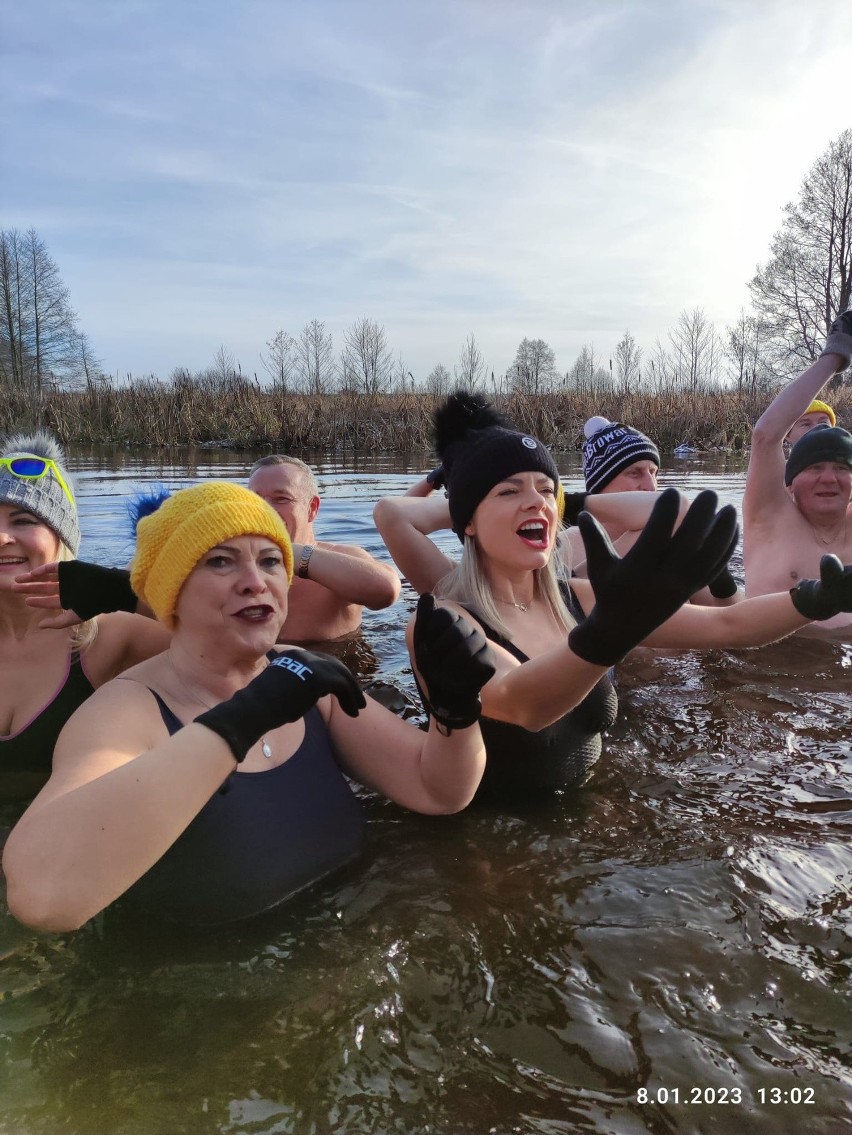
(43, 496)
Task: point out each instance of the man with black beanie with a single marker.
(795, 510)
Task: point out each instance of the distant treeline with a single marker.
(243, 414)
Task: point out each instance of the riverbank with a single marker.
(242, 414)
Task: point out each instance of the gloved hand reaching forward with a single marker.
(827, 596)
(655, 578)
(454, 660)
(293, 682)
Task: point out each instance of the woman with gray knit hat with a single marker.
(47, 671)
(550, 699)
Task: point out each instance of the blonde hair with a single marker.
(467, 584)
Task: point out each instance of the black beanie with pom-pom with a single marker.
(479, 449)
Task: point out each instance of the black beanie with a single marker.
(610, 448)
(822, 443)
(478, 450)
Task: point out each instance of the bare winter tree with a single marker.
(314, 358)
(470, 369)
(438, 381)
(743, 350)
(628, 364)
(367, 354)
(38, 328)
(807, 280)
(279, 361)
(695, 351)
(586, 375)
(534, 368)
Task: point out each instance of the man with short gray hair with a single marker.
(332, 583)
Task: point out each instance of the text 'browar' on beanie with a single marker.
(479, 449)
(610, 448)
(822, 443)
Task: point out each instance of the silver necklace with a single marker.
(512, 603)
(265, 747)
(831, 539)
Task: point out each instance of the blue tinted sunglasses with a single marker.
(30, 468)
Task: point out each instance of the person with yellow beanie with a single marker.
(209, 784)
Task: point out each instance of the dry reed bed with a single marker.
(243, 415)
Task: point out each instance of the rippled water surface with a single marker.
(680, 932)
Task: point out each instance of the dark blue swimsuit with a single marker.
(258, 840)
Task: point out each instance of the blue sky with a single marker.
(207, 173)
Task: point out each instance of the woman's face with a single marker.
(25, 543)
(517, 521)
(237, 591)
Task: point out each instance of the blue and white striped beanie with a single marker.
(610, 448)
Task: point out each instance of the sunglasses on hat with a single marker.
(31, 468)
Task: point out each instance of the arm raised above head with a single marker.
(351, 573)
(404, 524)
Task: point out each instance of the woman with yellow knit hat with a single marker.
(209, 783)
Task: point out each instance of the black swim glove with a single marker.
(574, 505)
(827, 596)
(436, 478)
(724, 586)
(655, 578)
(89, 589)
(839, 341)
(293, 682)
(454, 660)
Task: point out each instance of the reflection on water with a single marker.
(683, 925)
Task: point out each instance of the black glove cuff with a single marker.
(455, 718)
(810, 601)
(436, 478)
(89, 589)
(724, 586)
(574, 505)
(588, 642)
(239, 721)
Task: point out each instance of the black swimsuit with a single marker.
(26, 757)
(259, 840)
(521, 762)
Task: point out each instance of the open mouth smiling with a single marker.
(534, 532)
(255, 614)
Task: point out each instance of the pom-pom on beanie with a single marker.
(610, 448)
(479, 449)
(43, 496)
(822, 443)
(172, 539)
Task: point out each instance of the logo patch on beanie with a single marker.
(529, 442)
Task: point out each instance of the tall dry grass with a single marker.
(239, 413)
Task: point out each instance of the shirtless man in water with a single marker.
(332, 583)
(796, 512)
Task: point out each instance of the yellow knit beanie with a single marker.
(171, 540)
(817, 407)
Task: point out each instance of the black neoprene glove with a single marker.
(574, 505)
(724, 586)
(89, 589)
(284, 691)
(655, 578)
(827, 596)
(454, 660)
(436, 478)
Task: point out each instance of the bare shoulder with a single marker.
(122, 641)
